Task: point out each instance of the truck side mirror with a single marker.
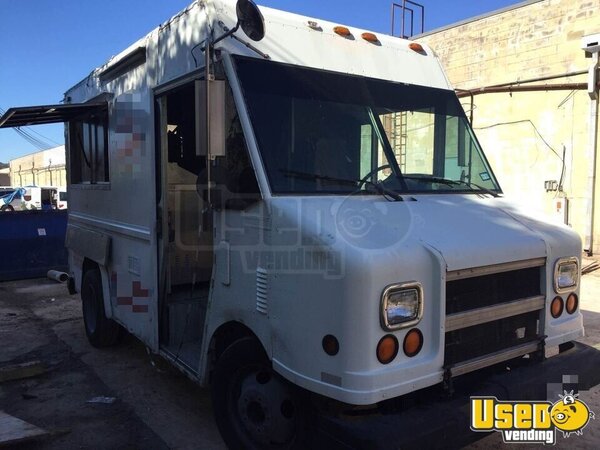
(250, 19)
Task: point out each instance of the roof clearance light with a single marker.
(342, 31)
(370, 37)
(416, 48)
(314, 25)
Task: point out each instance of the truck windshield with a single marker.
(322, 133)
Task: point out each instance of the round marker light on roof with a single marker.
(387, 349)
(556, 307)
(342, 31)
(572, 303)
(416, 47)
(370, 37)
(413, 342)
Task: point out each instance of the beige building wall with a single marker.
(44, 168)
(524, 135)
(5, 177)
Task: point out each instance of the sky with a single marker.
(46, 46)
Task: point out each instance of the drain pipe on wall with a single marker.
(591, 46)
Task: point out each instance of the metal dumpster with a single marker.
(31, 243)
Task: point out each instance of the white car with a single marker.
(11, 199)
(32, 197)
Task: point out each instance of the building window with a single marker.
(88, 149)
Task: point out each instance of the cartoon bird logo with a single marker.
(570, 415)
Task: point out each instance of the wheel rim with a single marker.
(264, 407)
(90, 308)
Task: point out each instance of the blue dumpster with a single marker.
(31, 243)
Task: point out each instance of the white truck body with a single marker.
(478, 231)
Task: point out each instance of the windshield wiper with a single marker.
(315, 176)
(481, 188)
(448, 182)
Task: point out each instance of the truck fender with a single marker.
(106, 291)
(78, 273)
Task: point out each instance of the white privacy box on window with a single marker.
(216, 118)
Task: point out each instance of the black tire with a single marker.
(100, 331)
(7, 208)
(268, 417)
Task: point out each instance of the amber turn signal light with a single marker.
(387, 349)
(572, 303)
(556, 307)
(413, 342)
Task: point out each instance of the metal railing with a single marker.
(410, 9)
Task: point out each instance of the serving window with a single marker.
(88, 149)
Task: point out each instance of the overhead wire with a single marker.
(52, 141)
(524, 121)
(41, 143)
(562, 158)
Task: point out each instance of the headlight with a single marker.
(566, 275)
(401, 305)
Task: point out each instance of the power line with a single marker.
(43, 137)
(41, 143)
(524, 121)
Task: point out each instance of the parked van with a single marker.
(299, 214)
(32, 197)
(61, 198)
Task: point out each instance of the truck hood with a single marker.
(464, 230)
(472, 231)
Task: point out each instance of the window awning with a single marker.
(39, 115)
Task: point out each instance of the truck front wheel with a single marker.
(100, 331)
(253, 406)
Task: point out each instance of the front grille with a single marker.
(476, 293)
(488, 290)
(486, 338)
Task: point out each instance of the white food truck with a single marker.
(298, 214)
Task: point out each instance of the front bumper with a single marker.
(445, 423)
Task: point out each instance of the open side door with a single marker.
(39, 115)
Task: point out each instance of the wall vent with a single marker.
(262, 287)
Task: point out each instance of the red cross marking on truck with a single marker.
(136, 292)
